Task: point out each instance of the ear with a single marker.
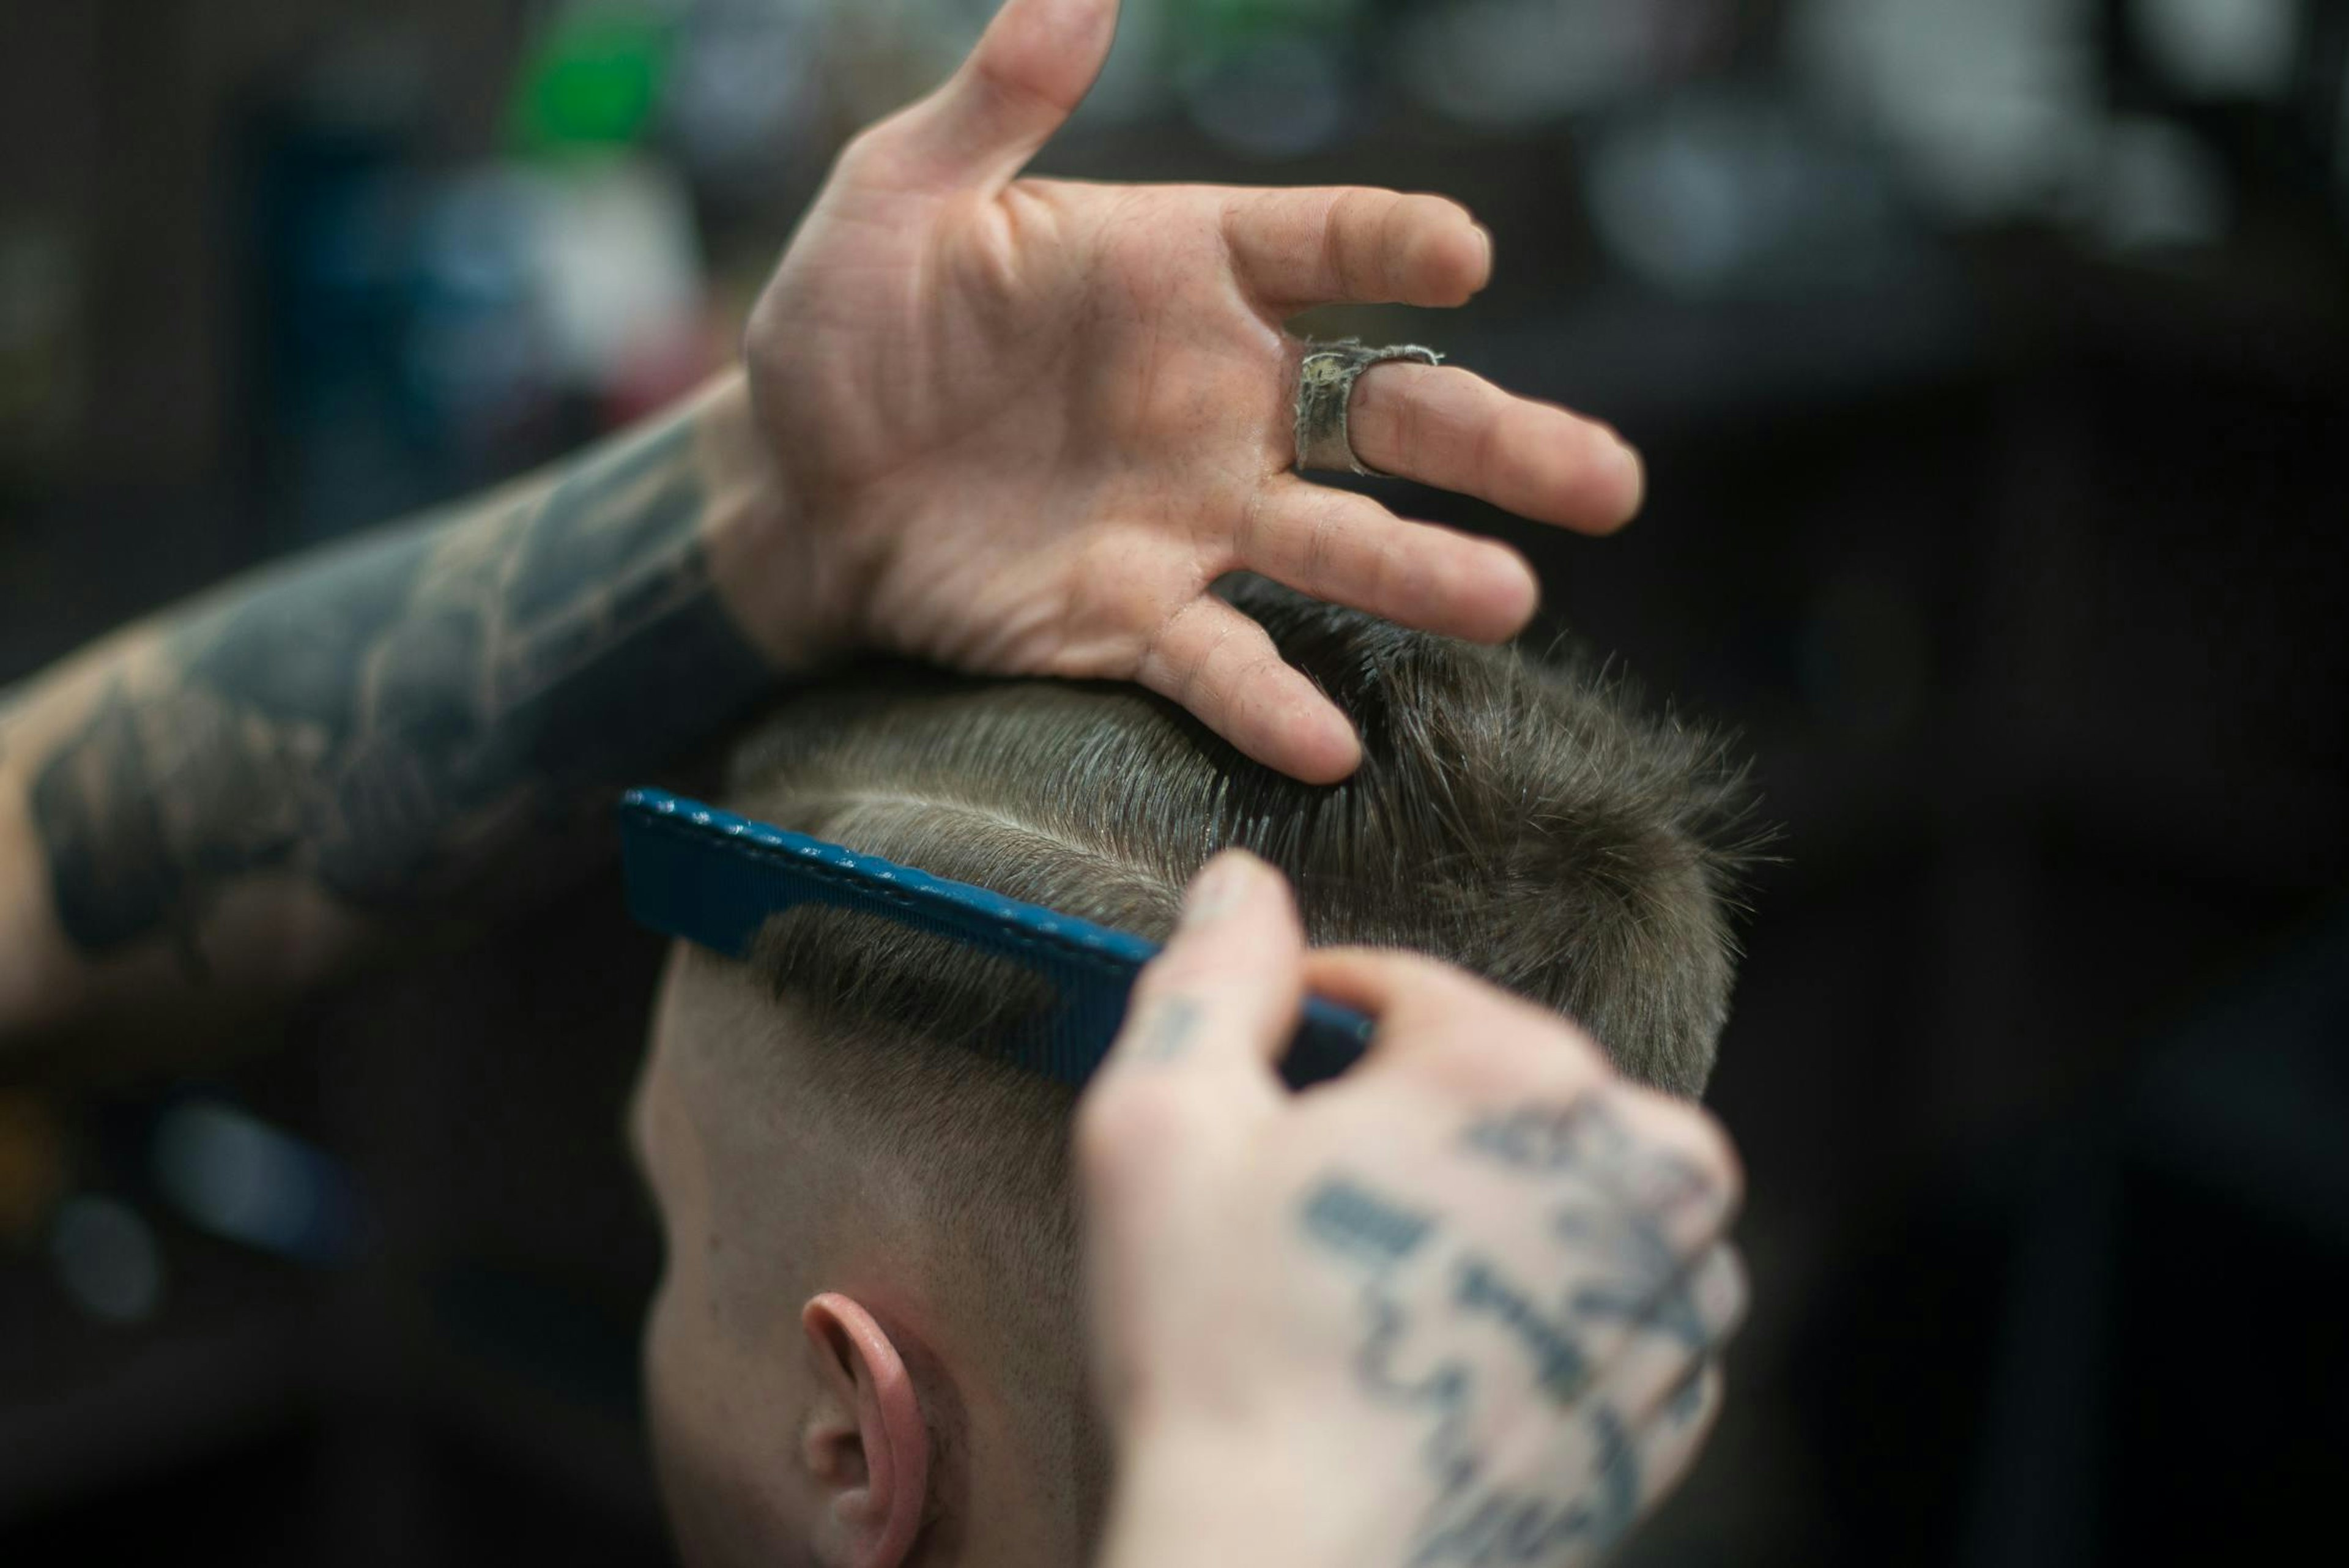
(866, 1445)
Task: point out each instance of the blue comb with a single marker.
(713, 879)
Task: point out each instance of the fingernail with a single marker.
(1487, 235)
(1216, 890)
(1633, 467)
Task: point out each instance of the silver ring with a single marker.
(1325, 385)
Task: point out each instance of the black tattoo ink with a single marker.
(400, 723)
(1513, 1525)
(1173, 1025)
(1476, 1522)
(1611, 1200)
(1583, 1138)
(1687, 1400)
(1651, 1290)
(1582, 1146)
(1545, 1138)
(1350, 1220)
(1473, 1520)
(1563, 1371)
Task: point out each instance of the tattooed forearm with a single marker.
(399, 721)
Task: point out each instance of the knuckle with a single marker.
(1231, 227)
(1126, 1125)
(1206, 968)
(1706, 1408)
(1495, 443)
(1374, 417)
(1409, 437)
(1173, 975)
(1337, 257)
(1173, 657)
(1416, 225)
(1418, 971)
(1323, 532)
(1717, 1156)
(1691, 1140)
(1445, 432)
(1574, 1053)
(1252, 533)
(1394, 248)
(1387, 573)
(1735, 1292)
(1212, 676)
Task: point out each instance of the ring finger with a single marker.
(1655, 1362)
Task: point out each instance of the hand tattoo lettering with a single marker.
(1173, 1025)
(1618, 1196)
(1611, 1199)
(1351, 1219)
(1483, 1289)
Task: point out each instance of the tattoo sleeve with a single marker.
(398, 722)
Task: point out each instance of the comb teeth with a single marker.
(714, 878)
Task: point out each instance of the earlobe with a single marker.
(872, 1458)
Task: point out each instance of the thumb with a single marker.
(1030, 70)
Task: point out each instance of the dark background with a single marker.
(1989, 359)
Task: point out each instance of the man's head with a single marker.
(870, 1330)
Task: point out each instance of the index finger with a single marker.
(1191, 1068)
(1293, 249)
(1225, 990)
(1439, 1022)
(1227, 670)
(1446, 1027)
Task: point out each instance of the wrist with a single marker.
(753, 534)
(1192, 1498)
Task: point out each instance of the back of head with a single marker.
(1512, 816)
(1515, 816)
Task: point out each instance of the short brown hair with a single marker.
(1514, 815)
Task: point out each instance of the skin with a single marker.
(818, 1394)
(1015, 426)
(1010, 425)
(1480, 1267)
(1039, 352)
(339, 756)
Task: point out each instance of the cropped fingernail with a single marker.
(1632, 468)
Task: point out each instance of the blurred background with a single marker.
(1989, 359)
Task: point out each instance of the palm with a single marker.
(1030, 422)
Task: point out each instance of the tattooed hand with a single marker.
(1025, 423)
(1464, 1306)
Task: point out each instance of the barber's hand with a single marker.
(1464, 1305)
(1023, 424)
